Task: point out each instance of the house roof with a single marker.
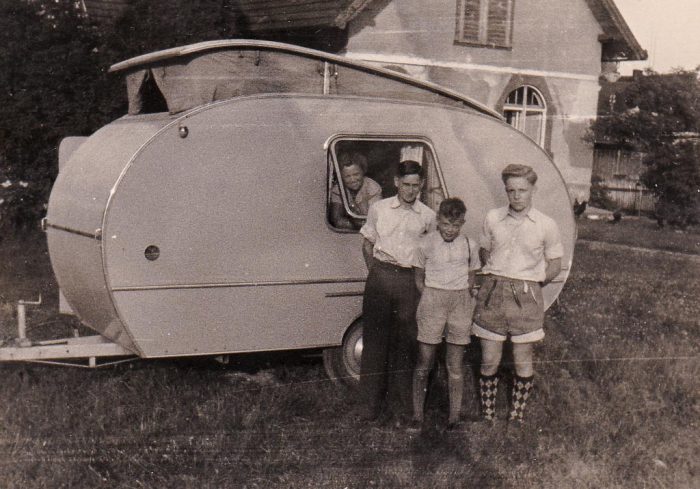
(619, 44)
(262, 15)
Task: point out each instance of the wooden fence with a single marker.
(627, 194)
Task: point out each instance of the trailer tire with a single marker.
(342, 363)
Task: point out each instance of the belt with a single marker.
(512, 282)
(390, 266)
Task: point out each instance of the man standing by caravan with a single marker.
(521, 250)
(391, 297)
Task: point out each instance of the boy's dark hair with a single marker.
(519, 171)
(452, 208)
(353, 158)
(410, 167)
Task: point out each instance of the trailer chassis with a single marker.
(78, 351)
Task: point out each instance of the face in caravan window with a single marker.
(365, 170)
(359, 192)
(352, 170)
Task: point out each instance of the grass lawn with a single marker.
(641, 232)
(616, 403)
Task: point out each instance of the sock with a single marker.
(521, 392)
(420, 387)
(455, 386)
(488, 386)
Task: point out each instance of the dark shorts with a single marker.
(509, 307)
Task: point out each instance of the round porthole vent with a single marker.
(152, 252)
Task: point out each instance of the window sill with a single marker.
(473, 44)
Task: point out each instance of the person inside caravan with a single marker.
(391, 233)
(360, 191)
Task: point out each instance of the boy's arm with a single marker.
(339, 218)
(367, 251)
(552, 270)
(484, 256)
(553, 252)
(419, 275)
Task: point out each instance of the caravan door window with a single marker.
(361, 170)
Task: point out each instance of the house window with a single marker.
(485, 22)
(526, 111)
(376, 158)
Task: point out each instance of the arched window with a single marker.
(526, 111)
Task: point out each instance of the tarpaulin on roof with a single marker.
(191, 81)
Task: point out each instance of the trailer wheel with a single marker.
(342, 363)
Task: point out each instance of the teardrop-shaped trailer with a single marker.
(199, 223)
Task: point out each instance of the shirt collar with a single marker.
(506, 211)
(396, 203)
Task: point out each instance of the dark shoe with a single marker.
(370, 415)
(413, 425)
(516, 421)
(454, 426)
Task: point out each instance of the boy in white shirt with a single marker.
(445, 266)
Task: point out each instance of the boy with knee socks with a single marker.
(446, 261)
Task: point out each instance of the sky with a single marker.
(668, 29)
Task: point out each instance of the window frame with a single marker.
(522, 110)
(333, 168)
(482, 36)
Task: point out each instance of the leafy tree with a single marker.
(54, 81)
(660, 117)
(52, 84)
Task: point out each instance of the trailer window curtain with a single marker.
(378, 159)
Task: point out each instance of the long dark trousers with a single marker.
(389, 339)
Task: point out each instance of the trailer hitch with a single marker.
(22, 339)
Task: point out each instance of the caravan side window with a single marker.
(361, 171)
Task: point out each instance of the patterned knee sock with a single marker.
(488, 386)
(521, 391)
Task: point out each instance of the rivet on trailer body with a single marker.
(183, 131)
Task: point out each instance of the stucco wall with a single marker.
(552, 35)
(555, 48)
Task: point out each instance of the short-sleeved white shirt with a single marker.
(519, 246)
(394, 229)
(447, 264)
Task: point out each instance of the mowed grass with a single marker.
(616, 403)
(641, 232)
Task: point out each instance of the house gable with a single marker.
(547, 35)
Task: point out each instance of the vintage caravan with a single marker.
(199, 223)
